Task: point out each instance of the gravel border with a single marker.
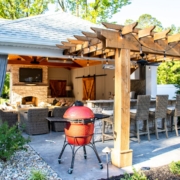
(21, 164)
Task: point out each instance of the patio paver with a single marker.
(146, 154)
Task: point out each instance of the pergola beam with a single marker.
(75, 41)
(62, 46)
(89, 34)
(82, 38)
(68, 44)
(112, 26)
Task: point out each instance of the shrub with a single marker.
(175, 167)
(11, 140)
(137, 175)
(37, 175)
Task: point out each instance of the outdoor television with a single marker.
(30, 75)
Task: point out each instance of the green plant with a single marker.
(11, 140)
(175, 167)
(137, 175)
(37, 175)
(6, 87)
(126, 177)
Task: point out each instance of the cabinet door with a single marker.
(89, 88)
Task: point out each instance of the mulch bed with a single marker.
(157, 173)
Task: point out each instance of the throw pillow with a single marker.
(55, 101)
(58, 104)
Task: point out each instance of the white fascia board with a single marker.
(31, 51)
(25, 42)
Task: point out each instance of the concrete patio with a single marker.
(146, 154)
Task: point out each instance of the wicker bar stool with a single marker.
(106, 122)
(109, 122)
(158, 115)
(140, 116)
(174, 113)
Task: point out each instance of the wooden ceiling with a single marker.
(42, 61)
(99, 47)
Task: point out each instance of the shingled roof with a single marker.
(46, 29)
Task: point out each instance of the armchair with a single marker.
(10, 117)
(59, 112)
(34, 121)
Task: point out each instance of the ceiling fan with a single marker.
(34, 61)
(144, 62)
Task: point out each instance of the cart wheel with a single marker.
(70, 171)
(59, 161)
(101, 166)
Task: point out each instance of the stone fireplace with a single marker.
(21, 92)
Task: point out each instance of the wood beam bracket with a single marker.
(98, 32)
(174, 38)
(161, 35)
(145, 32)
(129, 29)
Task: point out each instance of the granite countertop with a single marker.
(100, 101)
(112, 100)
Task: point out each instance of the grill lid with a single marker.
(78, 112)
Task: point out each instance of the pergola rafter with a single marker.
(123, 44)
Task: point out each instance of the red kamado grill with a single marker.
(79, 131)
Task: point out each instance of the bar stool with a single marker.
(140, 115)
(174, 113)
(159, 113)
(109, 121)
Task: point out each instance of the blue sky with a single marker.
(165, 11)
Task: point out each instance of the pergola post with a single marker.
(121, 155)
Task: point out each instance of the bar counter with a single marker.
(109, 103)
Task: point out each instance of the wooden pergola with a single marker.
(123, 45)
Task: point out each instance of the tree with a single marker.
(128, 21)
(62, 5)
(96, 12)
(167, 72)
(145, 21)
(173, 28)
(15, 9)
(5, 91)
